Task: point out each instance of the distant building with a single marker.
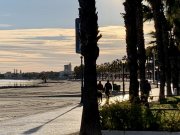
(68, 68)
(67, 73)
(8, 75)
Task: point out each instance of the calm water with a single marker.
(8, 82)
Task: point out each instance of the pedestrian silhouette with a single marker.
(107, 88)
(99, 91)
(100, 87)
(146, 91)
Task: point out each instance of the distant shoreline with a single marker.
(35, 86)
(32, 84)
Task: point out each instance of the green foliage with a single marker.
(78, 71)
(171, 100)
(126, 116)
(172, 120)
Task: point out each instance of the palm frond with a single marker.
(147, 13)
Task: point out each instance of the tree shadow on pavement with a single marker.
(33, 130)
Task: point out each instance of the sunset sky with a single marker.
(39, 35)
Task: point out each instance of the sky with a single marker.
(39, 35)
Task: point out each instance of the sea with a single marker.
(12, 82)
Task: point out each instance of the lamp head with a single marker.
(124, 58)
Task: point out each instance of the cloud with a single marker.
(5, 25)
(44, 48)
(56, 38)
(51, 48)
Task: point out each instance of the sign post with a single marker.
(78, 41)
(78, 51)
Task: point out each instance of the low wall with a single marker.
(112, 132)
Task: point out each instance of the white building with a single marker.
(67, 73)
(68, 68)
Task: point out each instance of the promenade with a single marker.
(59, 121)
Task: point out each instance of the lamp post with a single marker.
(154, 63)
(82, 80)
(151, 70)
(123, 62)
(157, 75)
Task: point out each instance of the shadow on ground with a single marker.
(33, 130)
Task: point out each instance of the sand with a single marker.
(21, 102)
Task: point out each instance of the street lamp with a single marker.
(154, 63)
(82, 80)
(123, 62)
(157, 74)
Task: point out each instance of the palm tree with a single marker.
(140, 44)
(168, 33)
(165, 34)
(173, 18)
(90, 124)
(131, 41)
(174, 54)
(158, 15)
(172, 15)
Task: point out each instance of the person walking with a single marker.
(147, 89)
(107, 88)
(99, 91)
(100, 87)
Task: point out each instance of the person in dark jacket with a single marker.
(100, 87)
(99, 91)
(146, 91)
(147, 88)
(107, 88)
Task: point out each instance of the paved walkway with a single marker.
(119, 97)
(138, 133)
(61, 121)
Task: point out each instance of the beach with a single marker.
(22, 102)
(25, 101)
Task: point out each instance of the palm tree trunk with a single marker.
(157, 13)
(140, 45)
(90, 123)
(174, 13)
(174, 55)
(131, 41)
(166, 45)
